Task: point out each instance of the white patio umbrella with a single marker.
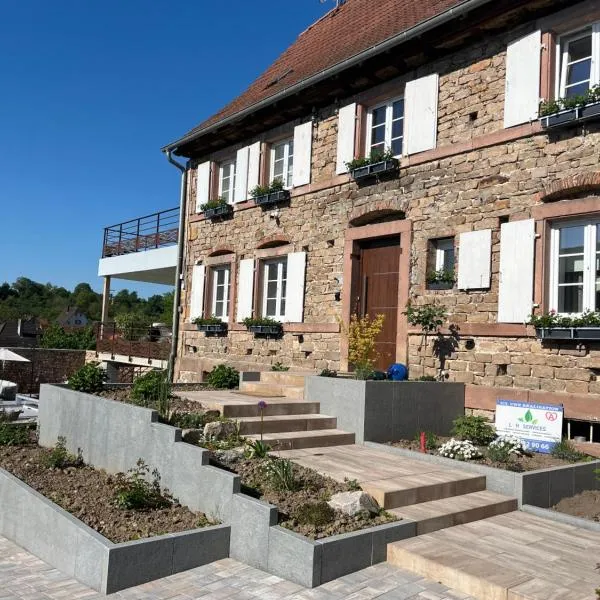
(9, 356)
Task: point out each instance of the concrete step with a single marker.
(456, 510)
(286, 423)
(284, 378)
(271, 390)
(395, 492)
(275, 407)
(298, 440)
(513, 556)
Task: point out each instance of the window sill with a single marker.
(566, 118)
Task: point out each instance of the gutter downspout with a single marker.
(179, 267)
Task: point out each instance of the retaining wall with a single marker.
(113, 435)
(543, 488)
(384, 411)
(57, 537)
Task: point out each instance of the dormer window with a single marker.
(577, 57)
(282, 162)
(385, 127)
(227, 180)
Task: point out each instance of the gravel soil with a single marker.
(519, 464)
(585, 505)
(178, 404)
(311, 487)
(88, 494)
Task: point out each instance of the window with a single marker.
(440, 270)
(227, 181)
(444, 254)
(274, 288)
(385, 127)
(219, 302)
(577, 71)
(282, 162)
(575, 267)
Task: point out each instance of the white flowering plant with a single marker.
(459, 450)
(505, 448)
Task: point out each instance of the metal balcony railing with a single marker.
(144, 342)
(146, 233)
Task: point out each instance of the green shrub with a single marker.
(88, 379)
(426, 378)
(223, 377)
(317, 514)
(139, 489)
(476, 429)
(431, 440)
(281, 475)
(352, 485)
(499, 454)
(152, 390)
(60, 458)
(12, 434)
(278, 366)
(565, 450)
(189, 420)
(328, 373)
(258, 449)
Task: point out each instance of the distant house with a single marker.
(20, 333)
(72, 317)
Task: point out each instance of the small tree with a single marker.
(362, 334)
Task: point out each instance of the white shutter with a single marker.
(420, 113)
(595, 67)
(202, 185)
(294, 301)
(245, 289)
(475, 253)
(241, 174)
(522, 93)
(197, 293)
(346, 136)
(302, 153)
(253, 166)
(515, 294)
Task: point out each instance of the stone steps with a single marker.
(284, 378)
(514, 556)
(456, 510)
(271, 390)
(275, 407)
(395, 492)
(296, 440)
(286, 423)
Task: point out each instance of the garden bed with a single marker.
(517, 464)
(309, 488)
(585, 505)
(89, 495)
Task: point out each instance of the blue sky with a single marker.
(91, 90)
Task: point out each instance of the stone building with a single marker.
(492, 212)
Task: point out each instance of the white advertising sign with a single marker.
(537, 425)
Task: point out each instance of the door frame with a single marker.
(353, 237)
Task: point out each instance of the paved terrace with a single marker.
(25, 577)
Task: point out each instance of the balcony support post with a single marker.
(105, 304)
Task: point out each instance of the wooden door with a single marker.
(377, 292)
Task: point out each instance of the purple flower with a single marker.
(262, 405)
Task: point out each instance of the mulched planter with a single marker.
(572, 116)
(568, 333)
(272, 198)
(218, 212)
(372, 170)
(213, 328)
(274, 330)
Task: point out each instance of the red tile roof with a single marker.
(344, 32)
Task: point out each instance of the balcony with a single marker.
(153, 342)
(143, 249)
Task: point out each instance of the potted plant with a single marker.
(210, 324)
(376, 164)
(263, 326)
(216, 208)
(552, 326)
(268, 195)
(567, 111)
(440, 280)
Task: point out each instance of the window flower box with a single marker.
(568, 333)
(440, 285)
(273, 330)
(213, 327)
(272, 198)
(220, 211)
(374, 169)
(571, 116)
